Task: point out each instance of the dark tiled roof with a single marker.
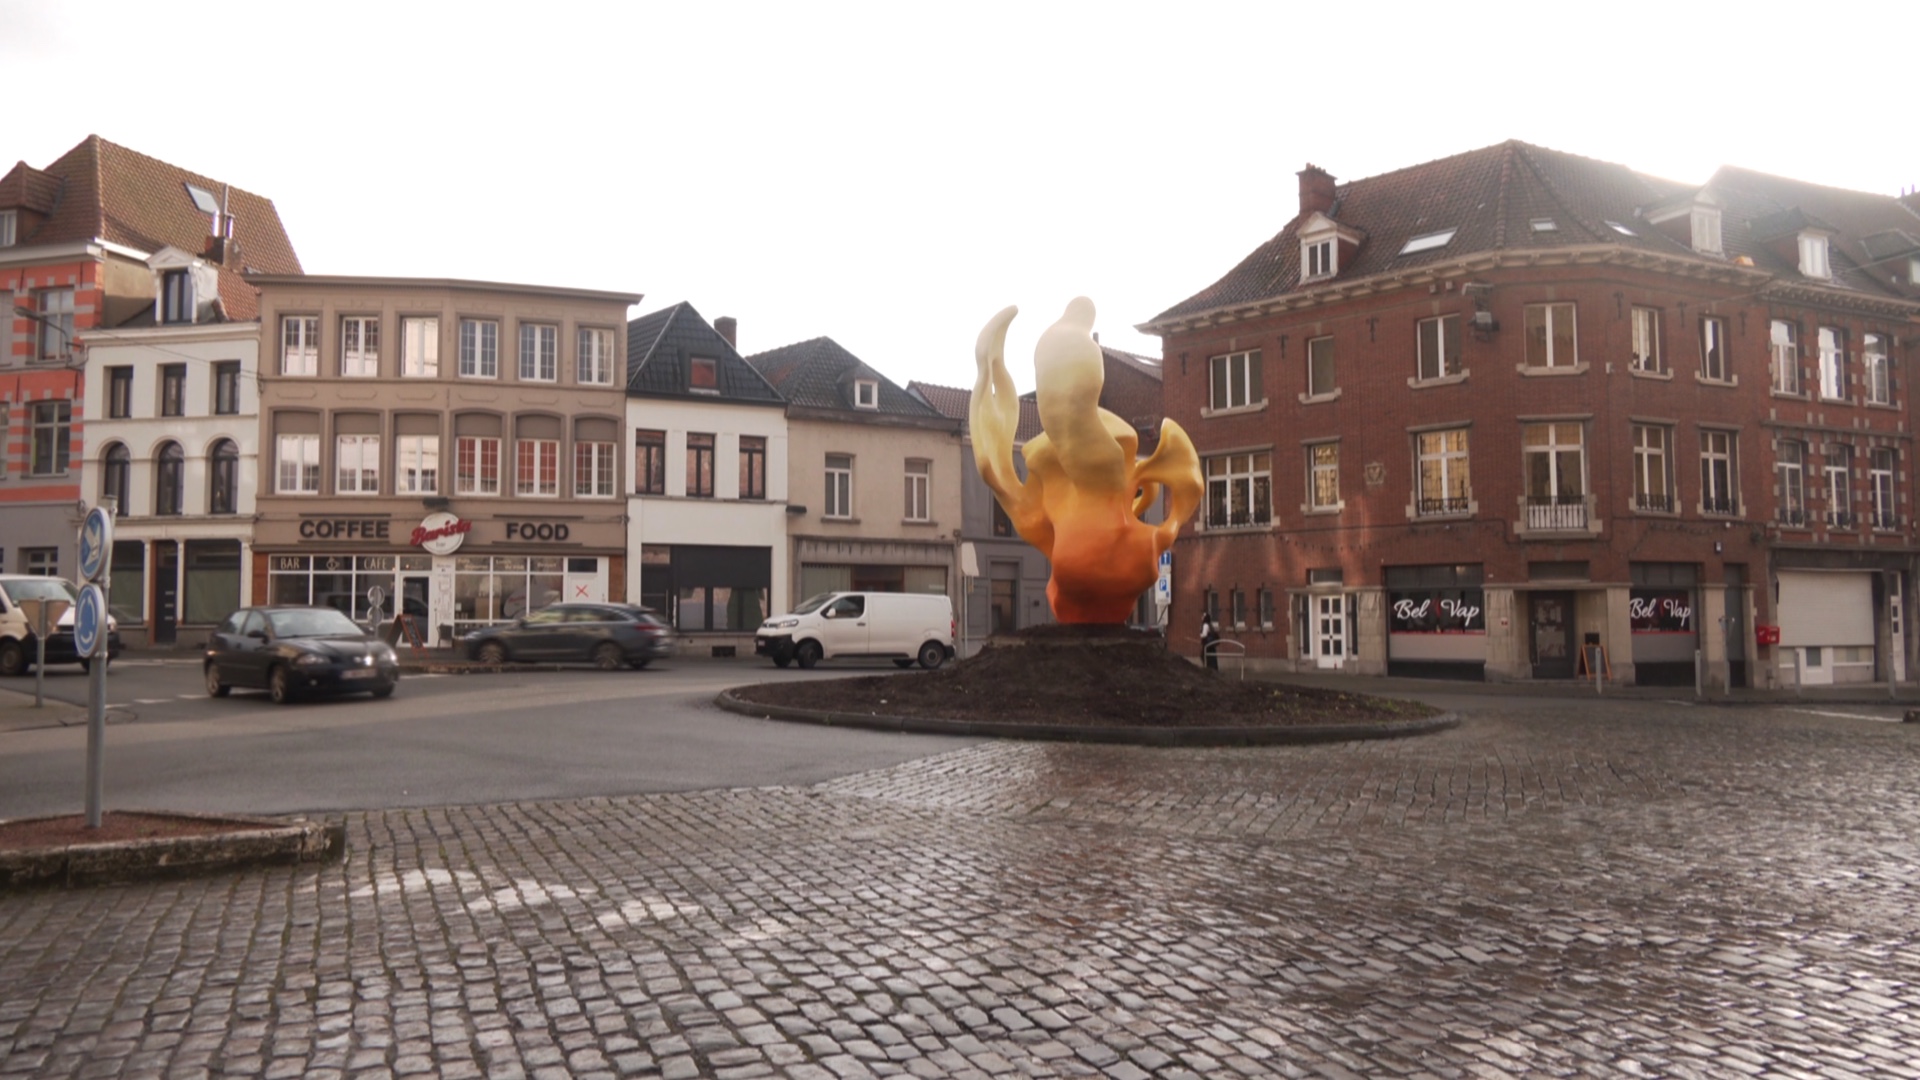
(1490, 197)
(1873, 235)
(819, 374)
(103, 191)
(660, 344)
(955, 404)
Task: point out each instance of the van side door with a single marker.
(844, 629)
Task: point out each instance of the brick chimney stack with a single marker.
(1316, 190)
(727, 327)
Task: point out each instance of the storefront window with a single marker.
(500, 589)
(213, 580)
(128, 599)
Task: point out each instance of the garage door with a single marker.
(1825, 608)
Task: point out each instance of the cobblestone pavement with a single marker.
(1639, 889)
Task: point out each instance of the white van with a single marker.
(903, 627)
(19, 648)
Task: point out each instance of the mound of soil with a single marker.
(1115, 677)
(29, 833)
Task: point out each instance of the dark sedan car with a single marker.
(291, 651)
(604, 635)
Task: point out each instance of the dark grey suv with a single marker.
(608, 636)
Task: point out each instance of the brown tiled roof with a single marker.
(955, 403)
(1489, 197)
(1132, 392)
(25, 187)
(1873, 236)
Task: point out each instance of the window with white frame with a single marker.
(866, 394)
(539, 352)
(476, 465)
(1439, 346)
(593, 357)
(1839, 462)
(537, 467)
(41, 562)
(1442, 460)
(1550, 336)
(1323, 476)
(1652, 480)
(50, 437)
(1719, 478)
(1320, 379)
(1877, 369)
(300, 345)
(1813, 256)
(1554, 458)
(1235, 380)
(359, 346)
(1785, 355)
(1239, 490)
(1705, 222)
(1316, 258)
(1646, 340)
(1833, 362)
(55, 324)
(9, 228)
(420, 347)
(479, 349)
(919, 477)
(1790, 471)
(297, 465)
(593, 469)
(839, 486)
(1713, 349)
(1880, 478)
(356, 464)
(417, 465)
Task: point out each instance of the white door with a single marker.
(585, 586)
(1330, 630)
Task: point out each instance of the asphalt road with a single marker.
(441, 740)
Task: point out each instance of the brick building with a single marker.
(1473, 416)
(103, 237)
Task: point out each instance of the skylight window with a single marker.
(1621, 229)
(203, 199)
(1545, 224)
(1428, 242)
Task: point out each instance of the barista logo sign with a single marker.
(440, 533)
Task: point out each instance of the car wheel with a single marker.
(13, 659)
(608, 657)
(932, 655)
(808, 653)
(903, 663)
(782, 661)
(216, 688)
(384, 691)
(280, 686)
(493, 653)
(639, 664)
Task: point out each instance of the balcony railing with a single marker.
(1240, 519)
(1841, 519)
(1791, 515)
(1645, 500)
(1426, 507)
(1554, 513)
(1883, 519)
(1719, 504)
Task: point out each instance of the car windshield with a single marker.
(812, 603)
(51, 588)
(313, 622)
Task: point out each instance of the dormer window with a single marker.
(866, 394)
(1317, 257)
(1813, 256)
(703, 376)
(1913, 270)
(176, 296)
(1706, 230)
(9, 228)
(1428, 242)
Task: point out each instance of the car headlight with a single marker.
(311, 660)
(782, 624)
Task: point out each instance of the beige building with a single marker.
(873, 487)
(455, 445)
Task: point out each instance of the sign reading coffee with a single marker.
(343, 529)
(1661, 612)
(1445, 611)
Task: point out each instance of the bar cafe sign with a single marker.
(440, 533)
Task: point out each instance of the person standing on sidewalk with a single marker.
(1209, 637)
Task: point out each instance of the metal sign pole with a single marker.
(97, 710)
(92, 636)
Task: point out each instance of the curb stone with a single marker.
(253, 841)
(1188, 736)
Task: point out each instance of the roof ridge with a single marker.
(672, 311)
(1594, 232)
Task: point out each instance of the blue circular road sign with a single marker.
(96, 543)
(90, 622)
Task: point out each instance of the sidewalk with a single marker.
(1907, 696)
(18, 713)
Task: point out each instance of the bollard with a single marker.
(1699, 677)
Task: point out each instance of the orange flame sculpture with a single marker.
(1082, 501)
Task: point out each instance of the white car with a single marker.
(19, 648)
(903, 627)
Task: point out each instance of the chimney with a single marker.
(1316, 190)
(727, 327)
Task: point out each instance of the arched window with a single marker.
(168, 466)
(113, 477)
(223, 477)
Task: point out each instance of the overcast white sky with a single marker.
(890, 175)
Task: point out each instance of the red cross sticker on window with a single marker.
(580, 592)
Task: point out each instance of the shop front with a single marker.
(1662, 607)
(1436, 622)
(445, 573)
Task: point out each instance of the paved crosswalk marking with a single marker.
(1849, 715)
